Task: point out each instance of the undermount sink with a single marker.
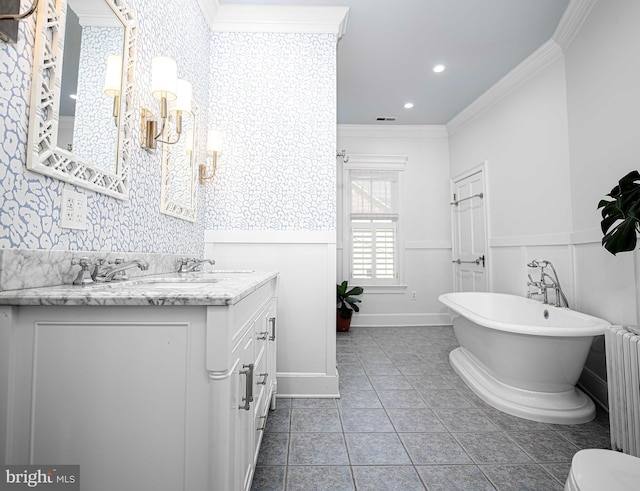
(159, 283)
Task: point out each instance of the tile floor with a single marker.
(405, 421)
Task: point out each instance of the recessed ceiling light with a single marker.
(439, 68)
(408, 105)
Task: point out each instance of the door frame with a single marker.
(483, 168)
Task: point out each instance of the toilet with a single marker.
(596, 469)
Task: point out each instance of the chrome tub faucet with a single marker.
(543, 286)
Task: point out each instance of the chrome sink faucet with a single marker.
(115, 270)
(543, 286)
(190, 264)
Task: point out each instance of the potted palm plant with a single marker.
(347, 303)
(621, 215)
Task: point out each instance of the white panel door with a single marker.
(469, 233)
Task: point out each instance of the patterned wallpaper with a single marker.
(95, 136)
(274, 97)
(30, 203)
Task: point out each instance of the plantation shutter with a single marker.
(374, 225)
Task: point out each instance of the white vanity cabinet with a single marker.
(141, 397)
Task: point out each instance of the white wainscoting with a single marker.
(306, 261)
(595, 282)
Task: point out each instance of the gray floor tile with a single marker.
(269, 478)
(313, 403)
(390, 382)
(520, 478)
(359, 399)
(401, 399)
(319, 478)
(387, 478)
(326, 420)
(415, 420)
(317, 449)
(507, 422)
(439, 398)
(457, 443)
(454, 478)
(365, 420)
(434, 448)
(354, 382)
(488, 448)
(381, 369)
(558, 470)
(545, 446)
(279, 420)
(465, 420)
(587, 439)
(274, 449)
(376, 449)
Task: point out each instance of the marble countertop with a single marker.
(196, 288)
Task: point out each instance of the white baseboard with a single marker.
(400, 320)
(297, 385)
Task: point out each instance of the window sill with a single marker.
(396, 289)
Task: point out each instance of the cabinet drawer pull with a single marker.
(264, 380)
(272, 320)
(264, 423)
(248, 389)
(263, 335)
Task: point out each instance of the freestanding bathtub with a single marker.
(521, 356)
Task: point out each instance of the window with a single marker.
(373, 226)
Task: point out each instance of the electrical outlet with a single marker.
(413, 295)
(74, 210)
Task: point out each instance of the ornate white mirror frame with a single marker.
(43, 154)
(178, 190)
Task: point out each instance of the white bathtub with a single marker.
(521, 356)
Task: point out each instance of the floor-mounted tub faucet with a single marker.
(543, 286)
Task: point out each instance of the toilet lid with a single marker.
(598, 469)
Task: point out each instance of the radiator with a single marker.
(623, 382)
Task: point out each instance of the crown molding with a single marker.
(209, 9)
(569, 25)
(280, 18)
(571, 22)
(395, 131)
(531, 66)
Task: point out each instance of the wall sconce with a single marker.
(9, 19)
(113, 82)
(214, 147)
(166, 87)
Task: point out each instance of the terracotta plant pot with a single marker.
(342, 324)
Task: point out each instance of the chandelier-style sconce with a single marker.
(165, 87)
(214, 147)
(113, 83)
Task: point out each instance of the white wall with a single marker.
(425, 226)
(306, 330)
(555, 146)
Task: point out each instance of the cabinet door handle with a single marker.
(248, 389)
(272, 320)
(264, 380)
(264, 423)
(263, 335)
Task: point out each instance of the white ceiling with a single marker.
(385, 59)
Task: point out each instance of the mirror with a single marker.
(178, 190)
(86, 50)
